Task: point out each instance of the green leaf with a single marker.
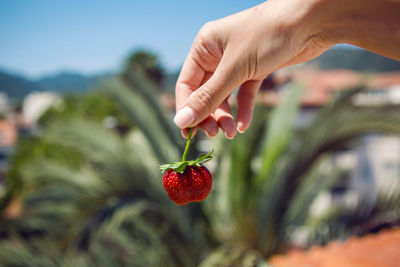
(279, 132)
(180, 166)
(146, 119)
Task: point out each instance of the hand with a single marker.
(241, 50)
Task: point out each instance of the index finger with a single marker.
(190, 78)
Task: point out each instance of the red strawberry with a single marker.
(187, 181)
(194, 184)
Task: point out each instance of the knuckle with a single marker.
(204, 98)
(206, 30)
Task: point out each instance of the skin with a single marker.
(240, 50)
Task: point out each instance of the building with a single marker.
(35, 104)
(8, 139)
(370, 167)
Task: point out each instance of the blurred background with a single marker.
(86, 108)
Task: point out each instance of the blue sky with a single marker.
(46, 36)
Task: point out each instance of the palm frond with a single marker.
(226, 255)
(279, 132)
(346, 122)
(38, 252)
(342, 221)
(311, 186)
(144, 116)
(144, 88)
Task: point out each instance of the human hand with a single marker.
(240, 51)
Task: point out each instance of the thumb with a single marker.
(205, 100)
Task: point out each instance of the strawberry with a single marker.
(187, 181)
(194, 184)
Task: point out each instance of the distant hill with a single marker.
(17, 86)
(355, 59)
(335, 58)
(67, 82)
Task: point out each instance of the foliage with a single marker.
(359, 219)
(146, 64)
(31, 148)
(95, 106)
(92, 196)
(109, 208)
(268, 176)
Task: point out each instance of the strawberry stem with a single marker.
(187, 145)
(181, 165)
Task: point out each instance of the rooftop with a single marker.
(380, 249)
(321, 84)
(8, 134)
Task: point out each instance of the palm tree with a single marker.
(111, 210)
(268, 177)
(147, 64)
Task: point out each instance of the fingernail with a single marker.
(239, 127)
(184, 135)
(227, 136)
(184, 117)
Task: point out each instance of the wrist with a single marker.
(335, 21)
(306, 20)
(370, 24)
(319, 22)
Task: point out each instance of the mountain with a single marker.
(355, 59)
(65, 82)
(16, 86)
(335, 58)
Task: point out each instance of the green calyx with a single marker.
(180, 166)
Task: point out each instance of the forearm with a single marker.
(242, 49)
(370, 24)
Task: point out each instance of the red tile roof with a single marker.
(8, 134)
(320, 84)
(381, 249)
